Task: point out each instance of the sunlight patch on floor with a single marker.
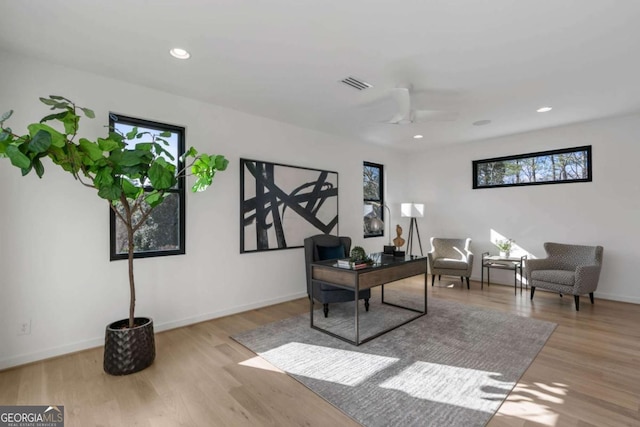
(344, 367)
(260, 363)
(530, 403)
(468, 388)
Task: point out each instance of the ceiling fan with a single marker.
(406, 115)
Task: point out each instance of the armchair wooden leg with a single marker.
(325, 308)
(439, 277)
(366, 304)
(591, 297)
(468, 287)
(577, 299)
(433, 279)
(533, 289)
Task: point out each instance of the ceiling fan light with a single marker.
(179, 53)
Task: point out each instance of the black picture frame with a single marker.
(281, 205)
(561, 166)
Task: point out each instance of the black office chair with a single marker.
(325, 247)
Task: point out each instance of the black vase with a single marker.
(128, 350)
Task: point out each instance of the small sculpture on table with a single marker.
(398, 242)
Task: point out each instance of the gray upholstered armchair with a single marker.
(451, 257)
(324, 247)
(568, 269)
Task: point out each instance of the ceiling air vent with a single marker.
(355, 83)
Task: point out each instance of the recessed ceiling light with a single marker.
(544, 109)
(481, 122)
(176, 52)
(418, 136)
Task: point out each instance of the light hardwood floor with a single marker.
(588, 373)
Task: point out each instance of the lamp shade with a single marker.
(412, 210)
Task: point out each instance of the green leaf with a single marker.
(154, 198)
(160, 151)
(221, 163)
(135, 157)
(132, 133)
(103, 177)
(4, 136)
(202, 183)
(57, 116)
(57, 139)
(165, 134)
(54, 103)
(130, 190)
(48, 101)
(110, 192)
(17, 158)
(70, 122)
(90, 148)
(115, 136)
(5, 116)
(88, 112)
(191, 152)
(40, 142)
(59, 98)
(109, 144)
(162, 175)
(147, 146)
(25, 171)
(38, 166)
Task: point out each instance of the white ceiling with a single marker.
(493, 60)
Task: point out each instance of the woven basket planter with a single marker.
(129, 350)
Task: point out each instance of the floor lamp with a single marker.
(413, 211)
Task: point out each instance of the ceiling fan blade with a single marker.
(435, 116)
(403, 101)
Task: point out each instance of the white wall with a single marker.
(54, 234)
(603, 212)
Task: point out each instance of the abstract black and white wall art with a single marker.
(281, 205)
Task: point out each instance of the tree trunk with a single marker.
(132, 287)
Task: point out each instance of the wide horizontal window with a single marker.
(546, 167)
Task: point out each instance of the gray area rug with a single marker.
(452, 367)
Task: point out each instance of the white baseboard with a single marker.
(600, 295)
(99, 341)
(226, 312)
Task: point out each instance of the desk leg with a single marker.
(425, 292)
(515, 280)
(357, 325)
(311, 307)
(481, 275)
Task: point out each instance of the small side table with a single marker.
(502, 263)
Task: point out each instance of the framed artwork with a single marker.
(545, 167)
(281, 205)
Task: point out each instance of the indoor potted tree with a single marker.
(134, 177)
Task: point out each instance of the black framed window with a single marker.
(373, 191)
(164, 231)
(545, 167)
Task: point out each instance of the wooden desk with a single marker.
(385, 269)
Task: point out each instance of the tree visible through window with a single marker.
(373, 186)
(547, 167)
(163, 233)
